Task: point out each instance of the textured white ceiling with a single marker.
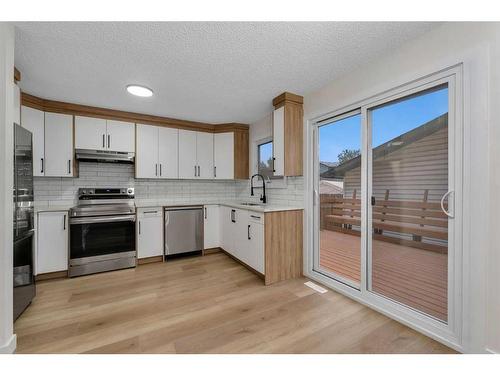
(201, 71)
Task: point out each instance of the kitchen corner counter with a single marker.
(261, 208)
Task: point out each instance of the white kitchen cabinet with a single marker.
(254, 251)
(52, 242)
(224, 156)
(90, 133)
(120, 136)
(168, 152)
(188, 166)
(99, 134)
(33, 120)
(149, 232)
(205, 155)
(17, 104)
(157, 152)
(211, 226)
(146, 158)
(58, 145)
(279, 141)
(227, 228)
(240, 241)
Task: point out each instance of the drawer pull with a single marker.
(255, 217)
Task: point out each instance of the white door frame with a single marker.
(450, 333)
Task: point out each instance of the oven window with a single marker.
(88, 240)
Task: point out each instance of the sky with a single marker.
(388, 122)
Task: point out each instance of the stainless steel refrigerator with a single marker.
(24, 282)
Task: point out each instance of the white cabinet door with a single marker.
(58, 145)
(52, 237)
(33, 120)
(205, 155)
(149, 232)
(254, 252)
(241, 235)
(120, 136)
(90, 133)
(187, 154)
(17, 104)
(227, 229)
(146, 158)
(279, 141)
(211, 226)
(168, 152)
(224, 156)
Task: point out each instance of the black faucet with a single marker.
(263, 196)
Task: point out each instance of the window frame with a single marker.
(274, 182)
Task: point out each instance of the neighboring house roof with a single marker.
(331, 187)
(326, 165)
(390, 146)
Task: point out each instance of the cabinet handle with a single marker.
(233, 216)
(198, 171)
(156, 169)
(64, 222)
(150, 212)
(205, 213)
(255, 217)
(195, 171)
(109, 140)
(69, 166)
(42, 165)
(248, 232)
(140, 226)
(103, 140)
(215, 171)
(160, 169)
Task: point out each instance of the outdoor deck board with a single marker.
(414, 277)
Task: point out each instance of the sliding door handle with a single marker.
(274, 169)
(447, 213)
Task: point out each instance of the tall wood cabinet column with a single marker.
(288, 134)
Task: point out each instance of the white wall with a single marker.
(477, 45)
(7, 338)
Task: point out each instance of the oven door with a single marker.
(101, 235)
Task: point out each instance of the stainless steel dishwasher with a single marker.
(183, 229)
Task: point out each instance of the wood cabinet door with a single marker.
(149, 232)
(168, 152)
(120, 136)
(205, 155)
(224, 156)
(188, 167)
(58, 145)
(279, 141)
(52, 237)
(33, 120)
(90, 133)
(146, 157)
(211, 226)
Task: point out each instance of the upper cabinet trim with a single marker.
(287, 97)
(112, 114)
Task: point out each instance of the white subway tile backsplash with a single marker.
(55, 190)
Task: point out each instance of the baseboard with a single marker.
(244, 264)
(51, 275)
(10, 346)
(213, 250)
(148, 260)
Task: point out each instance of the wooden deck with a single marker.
(414, 277)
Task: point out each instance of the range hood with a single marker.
(105, 156)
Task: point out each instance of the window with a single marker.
(265, 159)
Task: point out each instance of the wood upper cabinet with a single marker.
(58, 145)
(157, 152)
(33, 120)
(288, 135)
(100, 134)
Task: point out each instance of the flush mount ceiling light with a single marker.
(139, 90)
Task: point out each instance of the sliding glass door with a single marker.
(386, 180)
(408, 182)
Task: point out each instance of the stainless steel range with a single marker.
(102, 231)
